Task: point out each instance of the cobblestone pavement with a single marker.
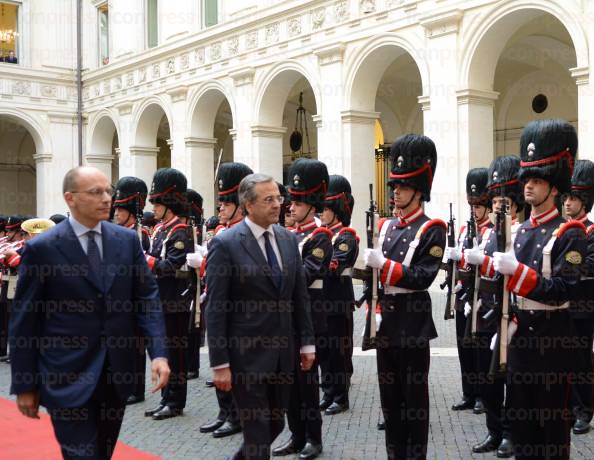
(351, 435)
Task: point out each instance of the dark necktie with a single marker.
(275, 269)
(93, 254)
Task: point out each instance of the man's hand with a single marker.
(307, 360)
(28, 403)
(222, 378)
(160, 373)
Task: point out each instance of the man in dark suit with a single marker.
(257, 303)
(84, 288)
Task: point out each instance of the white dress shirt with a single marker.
(81, 233)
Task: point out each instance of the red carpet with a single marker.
(28, 439)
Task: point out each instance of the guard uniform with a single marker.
(503, 182)
(582, 310)
(550, 253)
(130, 194)
(476, 193)
(166, 259)
(308, 184)
(337, 366)
(413, 246)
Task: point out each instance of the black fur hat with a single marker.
(547, 151)
(148, 219)
(503, 179)
(476, 187)
(582, 183)
(212, 223)
(57, 218)
(282, 190)
(13, 223)
(414, 161)
(130, 194)
(169, 189)
(195, 203)
(339, 198)
(3, 220)
(228, 179)
(308, 182)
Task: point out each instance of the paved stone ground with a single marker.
(351, 435)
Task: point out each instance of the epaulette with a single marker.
(178, 227)
(324, 230)
(348, 230)
(381, 222)
(431, 223)
(566, 226)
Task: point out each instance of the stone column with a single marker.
(267, 150)
(101, 162)
(143, 163)
(177, 129)
(243, 81)
(585, 117)
(200, 169)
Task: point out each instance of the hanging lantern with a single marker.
(296, 139)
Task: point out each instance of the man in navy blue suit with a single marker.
(84, 291)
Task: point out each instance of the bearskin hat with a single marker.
(547, 151)
(148, 219)
(282, 190)
(503, 179)
(57, 218)
(308, 182)
(194, 208)
(3, 220)
(169, 189)
(582, 183)
(130, 194)
(414, 161)
(13, 223)
(339, 198)
(476, 187)
(228, 179)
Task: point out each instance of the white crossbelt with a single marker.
(317, 284)
(394, 290)
(527, 304)
(347, 272)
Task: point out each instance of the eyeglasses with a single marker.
(96, 192)
(271, 199)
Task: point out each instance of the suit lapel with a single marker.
(69, 245)
(111, 253)
(253, 249)
(282, 241)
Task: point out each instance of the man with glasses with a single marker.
(257, 307)
(72, 329)
(166, 258)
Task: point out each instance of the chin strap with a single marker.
(546, 198)
(306, 214)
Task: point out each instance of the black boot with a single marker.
(489, 444)
(288, 448)
(463, 404)
(505, 449)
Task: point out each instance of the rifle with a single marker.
(371, 293)
(474, 275)
(498, 364)
(195, 309)
(450, 268)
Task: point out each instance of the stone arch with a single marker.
(103, 126)
(203, 105)
(146, 120)
(378, 53)
(38, 132)
(488, 35)
(275, 85)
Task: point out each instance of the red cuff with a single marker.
(524, 281)
(14, 261)
(391, 273)
(150, 260)
(487, 268)
(203, 268)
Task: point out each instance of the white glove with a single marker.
(505, 262)
(202, 297)
(453, 254)
(512, 327)
(458, 287)
(374, 258)
(202, 250)
(493, 342)
(467, 309)
(194, 259)
(474, 256)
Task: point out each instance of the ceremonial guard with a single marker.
(193, 217)
(506, 194)
(166, 259)
(542, 271)
(409, 256)
(307, 190)
(578, 203)
(480, 207)
(129, 200)
(340, 298)
(230, 213)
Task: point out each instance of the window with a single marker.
(211, 13)
(103, 17)
(152, 23)
(8, 33)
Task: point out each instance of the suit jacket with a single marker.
(251, 324)
(66, 320)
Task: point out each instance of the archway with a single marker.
(103, 151)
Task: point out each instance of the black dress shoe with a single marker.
(226, 429)
(209, 383)
(489, 444)
(167, 412)
(133, 399)
(211, 426)
(310, 451)
(325, 404)
(505, 449)
(288, 448)
(479, 407)
(581, 426)
(153, 411)
(464, 404)
(192, 375)
(336, 408)
(4, 359)
(381, 426)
